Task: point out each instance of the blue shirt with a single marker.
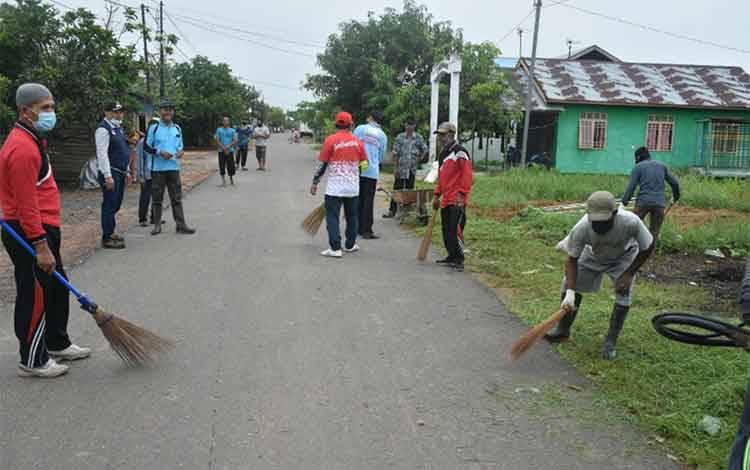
(167, 137)
(225, 136)
(375, 144)
(243, 136)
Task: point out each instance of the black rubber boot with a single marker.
(561, 333)
(616, 322)
(156, 215)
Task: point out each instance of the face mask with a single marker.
(117, 122)
(602, 228)
(46, 121)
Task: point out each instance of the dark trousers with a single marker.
(401, 183)
(333, 214)
(454, 223)
(242, 156)
(740, 446)
(171, 181)
(42, 308)
(260, 155)
(367, 188)
(111, 202)
(656, 217)
(226, 163)
(144, 201)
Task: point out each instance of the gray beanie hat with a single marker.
(31, 93)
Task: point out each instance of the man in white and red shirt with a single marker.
(452, 194)
(344, 156)
(31, 206)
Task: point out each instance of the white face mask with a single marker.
(116, 122)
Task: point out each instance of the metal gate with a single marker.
(724, 145)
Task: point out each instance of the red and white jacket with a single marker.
(455, 176)
(28, 191)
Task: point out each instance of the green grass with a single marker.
(665, 388)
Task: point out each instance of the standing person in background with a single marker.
(226, 138)
(164, 144)
(243, 140)
(113, 160)
(344, 156)
(408, 151)
(376, 142)
(452, 194)
(144, 180)
(261, 134)
(651, 176)
(31, 206)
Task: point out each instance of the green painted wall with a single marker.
(626, 131)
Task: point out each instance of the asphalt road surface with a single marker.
(288, 360)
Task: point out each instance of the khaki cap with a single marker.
(600, 206)
(445, 128)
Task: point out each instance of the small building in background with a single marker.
(591, 111)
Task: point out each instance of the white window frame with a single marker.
(592, 131)
(727, 140)
(663, 128)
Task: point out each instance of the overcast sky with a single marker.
(310, 22)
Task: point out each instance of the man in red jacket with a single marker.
(31, 205)
(452, 194)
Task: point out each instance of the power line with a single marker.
(515, 28)
(182, 35)
(271, 84)
(61, 4)
(656, 30)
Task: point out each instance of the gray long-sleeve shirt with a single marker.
(651, 176)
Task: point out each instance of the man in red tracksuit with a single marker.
(452, 194)
(31, 206)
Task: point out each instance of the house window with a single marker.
(660, 133)
(592, 131)
(726, 137)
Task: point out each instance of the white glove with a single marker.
(569, 302)
(562, 246)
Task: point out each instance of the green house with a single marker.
(591, 111)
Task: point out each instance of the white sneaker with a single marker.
(329, 253)
(71, 353)
(49, 370)
(353, 249)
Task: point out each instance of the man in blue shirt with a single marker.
(376, 142)
(243, 141)
(226, 138)
(164, 144)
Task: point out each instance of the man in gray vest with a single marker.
(113, 160)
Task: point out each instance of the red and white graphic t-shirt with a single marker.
(343, 152)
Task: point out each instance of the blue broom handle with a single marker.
(86, 304)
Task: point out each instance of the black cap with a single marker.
(113, 106)
(410, 121)
(165, 103)
(377, 116)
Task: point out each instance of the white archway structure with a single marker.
(452, 66)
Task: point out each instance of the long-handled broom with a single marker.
(314, 220)
(135, 345)
(427, 239)
(533, 335)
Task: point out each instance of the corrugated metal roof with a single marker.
(694, 86)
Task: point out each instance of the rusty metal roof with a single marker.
(563, 81)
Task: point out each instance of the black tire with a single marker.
(718, 333)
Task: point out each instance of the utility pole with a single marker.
(520, 43)
(145, 49)
(530, 85)
(161, 49)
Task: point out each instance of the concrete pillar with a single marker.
(434, 117)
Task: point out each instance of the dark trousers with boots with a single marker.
(242, 156)
(169, 180)
(144, 201)
(367, 188)
(401, 183)
(656, 217)
(226, 163)
(454, 222)
(42, 307)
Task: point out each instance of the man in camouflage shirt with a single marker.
(408, 151)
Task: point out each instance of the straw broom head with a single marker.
(533, 335)
(313, 221)
(427, 239)
(135, 346)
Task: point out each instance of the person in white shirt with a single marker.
(261, 134)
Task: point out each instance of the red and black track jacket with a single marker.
(456, 175)
(28, 191)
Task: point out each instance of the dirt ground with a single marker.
(81, 210)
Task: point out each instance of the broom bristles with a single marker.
(533, 335)
(424, 247)
(314, 220)
(136, 346)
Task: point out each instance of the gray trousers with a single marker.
(169, 180)
(591, 272)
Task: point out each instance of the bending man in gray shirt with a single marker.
(651, 176)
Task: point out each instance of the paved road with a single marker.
(287, 360)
